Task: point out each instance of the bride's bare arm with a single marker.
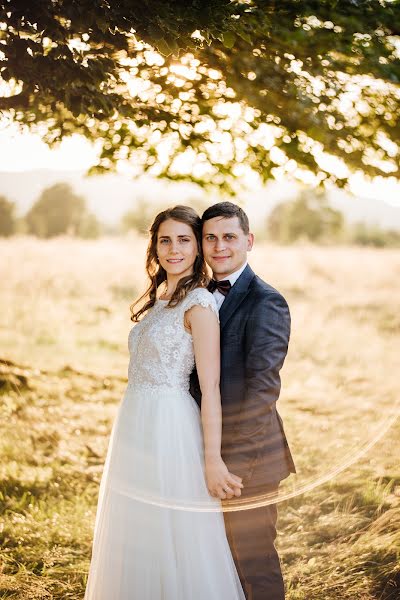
(204, 327)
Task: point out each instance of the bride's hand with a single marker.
(220, 482)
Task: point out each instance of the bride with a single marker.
(159, 531)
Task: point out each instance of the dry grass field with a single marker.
(64, 321)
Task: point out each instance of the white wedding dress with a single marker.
(158, 534)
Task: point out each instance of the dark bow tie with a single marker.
(223, 286)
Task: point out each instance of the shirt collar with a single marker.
(235, 276)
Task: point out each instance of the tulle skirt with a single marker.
(158, 533)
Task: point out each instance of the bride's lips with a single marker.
(174, 260)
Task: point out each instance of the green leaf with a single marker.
(229, 39)
(156, 32)
(245, 36)
(163, 47)
(171, 43)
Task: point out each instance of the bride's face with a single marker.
(176, 248)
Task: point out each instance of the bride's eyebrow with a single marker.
(167, 237)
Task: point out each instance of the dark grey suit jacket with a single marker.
(255, 330)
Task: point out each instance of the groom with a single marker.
(255, 329)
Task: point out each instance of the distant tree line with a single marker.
(308, 217)
(7, 217)
(58, 210)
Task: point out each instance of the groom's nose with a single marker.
(219, 244)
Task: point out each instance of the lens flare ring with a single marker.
(267, 499)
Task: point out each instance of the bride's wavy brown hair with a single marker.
(156, 273)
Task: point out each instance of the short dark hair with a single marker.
(227, 210)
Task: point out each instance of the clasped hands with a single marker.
(220, 482)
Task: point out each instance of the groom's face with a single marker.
(225, 245)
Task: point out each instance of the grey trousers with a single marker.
(251, 535)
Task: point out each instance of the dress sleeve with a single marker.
(202, 297)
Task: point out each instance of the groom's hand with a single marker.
(234, 490)
(239, 485)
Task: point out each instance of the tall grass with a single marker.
(64, 320)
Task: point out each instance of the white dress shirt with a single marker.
(219, 298)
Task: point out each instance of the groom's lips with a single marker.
(220, 257)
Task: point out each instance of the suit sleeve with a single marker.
(266, 343)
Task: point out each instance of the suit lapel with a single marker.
(237, 294)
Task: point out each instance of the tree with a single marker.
(89, 227)
(373, 235)
(58, 210)
(308, 216)
(140, 217)
(7, 217)
(234, 86)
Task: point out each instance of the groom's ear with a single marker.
(250, 241)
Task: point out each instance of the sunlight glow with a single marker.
(232, 136)
(332, 164)
(386, 189)
(26, 151)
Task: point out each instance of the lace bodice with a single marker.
(161, 350)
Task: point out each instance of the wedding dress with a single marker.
(158, 533)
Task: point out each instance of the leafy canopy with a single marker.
(210, 90)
